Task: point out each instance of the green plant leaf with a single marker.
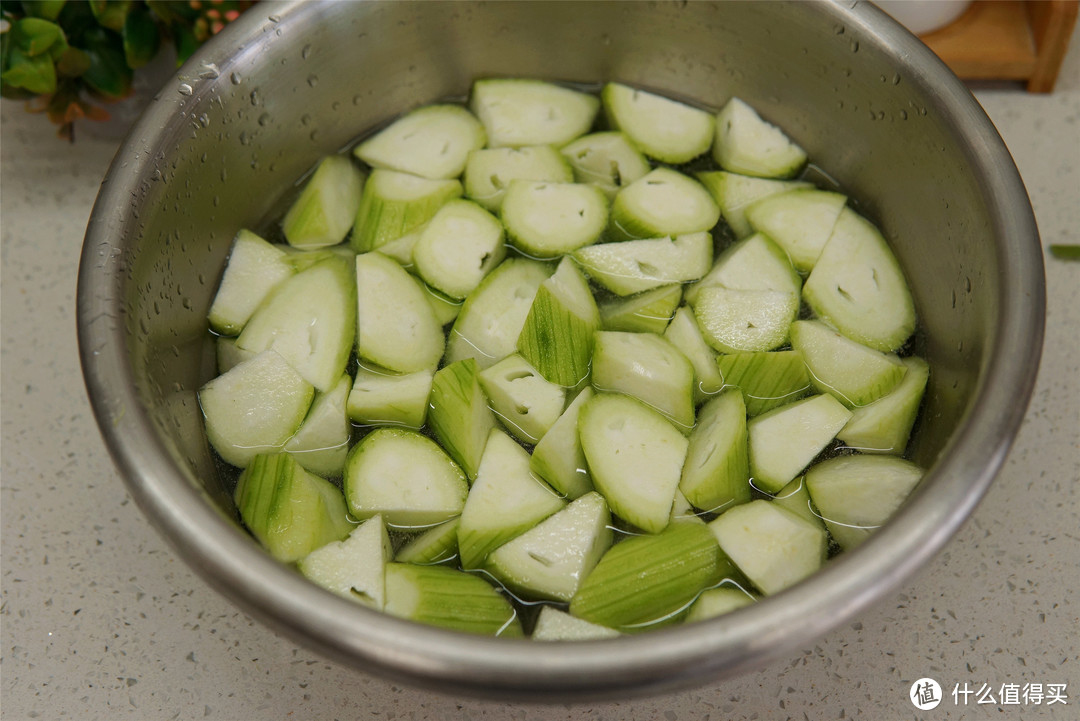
(108, 73)
(1065, 251)
(33, 73)
(34, 36)
(111, 13)
(185, 41)
(174, 11)
(48, 9)
(141, 37)
(72, 63)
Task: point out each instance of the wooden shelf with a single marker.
(1008, 40)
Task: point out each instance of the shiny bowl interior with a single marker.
(227, 138)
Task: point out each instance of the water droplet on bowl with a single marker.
(274, 18)
(305, 52)
(185, 89)
(264, 119)
(312, 80)
(209, 71)
(236, 79)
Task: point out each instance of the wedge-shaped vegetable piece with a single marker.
(353, 568)
(517, 112)
(748, 145)
(795, 497)
(459, 414)
(396, 204)
(446, 597)
(647, 581)
(607, 160)
(446, 309)
(546, 220)
(228, 354)
(506, 500)
(555, 625)
(396, 327)
(527, 404)
(379, 397)
(635, 456)
(325, 210)
(254, 270)
(289, 511)
(786, 439)
(557, 336)
(310, 319)
(550, 560)
(646, 366)
(716, 473)
(433, 141)
(634, 266)
(489, 172)
(663, 202)
(254, 408)
(558, 457)
(857, 494)
(858, 287)
(683, 333)
(884, 426)
(647, 312)
(437, 544)
(322, 441)
(755, 263)
(734, 193)
(744, 321)
(401, 249)
(718, 601)
(772, 546)
(664, 129)
(856, 374)
(799, 221)
(406, 477)
(458, 247)
(491, 319)
(767, 380)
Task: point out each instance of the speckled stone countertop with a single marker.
(101, 621)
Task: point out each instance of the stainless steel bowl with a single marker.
(255, 108)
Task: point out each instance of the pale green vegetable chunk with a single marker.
(506, 500)
(449, 598)
(665, 129)
(748, 145)
(884, 426)
(635, 456)
(404, 476)
(857, 494)
(289, 511)
(649, 581)
(774, 547)
(555, 625)
(322, 441)
(254, 408)
(254, 270)
(433, 142)
(326, 208)
(786, 439)
(353, 568)
(517, 112)
(552, 559)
